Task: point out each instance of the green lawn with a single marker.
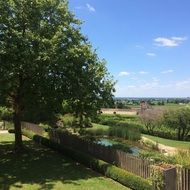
(168, 142)
(42, 168)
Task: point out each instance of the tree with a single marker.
(151, 118)
(45, 59)
(179, 120)
(5, 115)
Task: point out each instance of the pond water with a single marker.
(107, 142)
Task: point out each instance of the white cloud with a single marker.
(87, 7)
(143, 72)
(151, 54)
(123, 73)
(149, 85)
(131, 86)
(90, 8)
(154, 89)
(139, 46)
(183, 84)
(155, 79)
(169, 42)
(133, 78)
(167, 71)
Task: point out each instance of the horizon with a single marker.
(146, 45)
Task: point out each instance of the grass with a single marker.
(42, 168)
(168, 142)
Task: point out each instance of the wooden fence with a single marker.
(32, 127)
(183, 179)
(133, 164)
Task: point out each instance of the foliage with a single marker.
(151, 144)
(157, 177)
(119, 126)
(182, 158)
(98, 130)
(5, 113)
(46, 127)
(154, 156)
(151, 118)
(44, 60)
(67, 120)
(116, 129)
(71, 121)
(125, 131)
(103, 118)
(179, 120)
(122, 176)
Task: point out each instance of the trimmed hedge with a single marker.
(126, 178)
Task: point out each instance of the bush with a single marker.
(46, 127)
(6, 114)
(11, 131)
(68, 120)
(126, 178)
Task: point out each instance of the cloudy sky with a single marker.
(146, 43)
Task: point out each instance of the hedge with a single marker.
(126, 178)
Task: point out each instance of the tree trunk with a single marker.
(17, 127)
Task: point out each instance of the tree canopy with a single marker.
(179, 120)
(45, 59)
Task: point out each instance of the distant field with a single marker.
(135, 108)
(119, 111)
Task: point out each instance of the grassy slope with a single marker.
(42, 168)
(172, 143)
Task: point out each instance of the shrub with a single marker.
(46, 127)
(182, 157)
(126, 178)
(121, 126)
(11, 131)
(68, 120)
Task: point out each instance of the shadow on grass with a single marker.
(38, 165)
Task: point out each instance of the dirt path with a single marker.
(4, 131)
(167, 150)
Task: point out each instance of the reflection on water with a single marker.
(107, 142)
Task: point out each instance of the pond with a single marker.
(107, 142)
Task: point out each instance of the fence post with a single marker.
(164, 177)
(170, 179)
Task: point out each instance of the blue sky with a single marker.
(146, 43)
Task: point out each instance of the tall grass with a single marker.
(119, 129)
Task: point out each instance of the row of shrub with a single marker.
(119, 126)
(103, 118)
(119, 129)
(126, 178)
(163, 132)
